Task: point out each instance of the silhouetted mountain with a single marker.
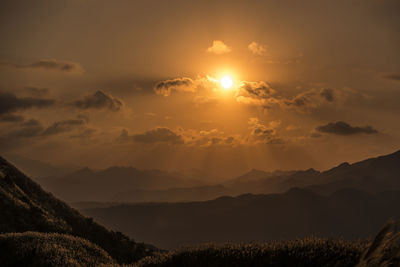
(26, 207)
(199, 193)
(89, 185)
(36, 168)
(348, 213)
(371, 175)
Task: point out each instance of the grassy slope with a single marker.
(26, 207)
(304, 252)
(40, 249)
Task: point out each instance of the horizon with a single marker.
(267, 85)
(78, 168)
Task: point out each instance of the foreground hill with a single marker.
(25, 206)
(383, 251)
(39, 249)
(298, 213)
(299, 253)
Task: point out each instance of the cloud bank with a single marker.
(343, 128)
(99, 100)
(49, 64)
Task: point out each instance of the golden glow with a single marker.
(226, 82)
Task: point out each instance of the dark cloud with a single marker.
(393, 76)
(9, 103)
(261, 94)
(179, 84)
(20, 134)
(260, 132)
(65, 126)
(303, 101)
(11, 118)
(49, 64)
(328, 94)
(256, 89)
(36, 91)
(85, 134)
(28, 129)
(343, 128)
(99, 100)
(159, 135)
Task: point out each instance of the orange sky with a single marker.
(103, 83)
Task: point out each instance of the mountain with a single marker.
(348, 213)
(198, 193)
(255, 181)
(36, 168)
(103, 185)
(371, 175)
(26, 207)
(127, 184)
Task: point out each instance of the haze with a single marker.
(103, 83)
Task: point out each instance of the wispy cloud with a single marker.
(49, 64)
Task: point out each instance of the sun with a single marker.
(226, 82)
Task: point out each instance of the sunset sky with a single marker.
(100, 83)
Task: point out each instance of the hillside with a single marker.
(299, 253)
(26, 207)
(40, 249)
(298, 213)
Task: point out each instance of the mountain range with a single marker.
(298, 213)
(128, 184)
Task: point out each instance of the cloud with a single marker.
(11, 118)
(255, 93)
(28, 129)
(393, 76)
(261, 94)
(99, 100)
(36, 91)
(50, 64)
(206, 138)
(157, 135)
(256, 89)
(260, 133)
(85, 134)
(178, 84)
(9, 103)
(310, 100)
(328, 94)
(343, 128)
(187, 137)
(218, 47)
(65, 126)
(257, 49)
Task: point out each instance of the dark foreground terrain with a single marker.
(37, 229)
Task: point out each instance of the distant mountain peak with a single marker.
(344, 165)
(255, 172)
